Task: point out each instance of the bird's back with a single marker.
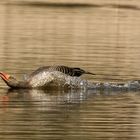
(63, 69)
(71, 71)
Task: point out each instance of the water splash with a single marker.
(59, 79)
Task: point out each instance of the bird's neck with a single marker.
(20, 84)
(17, 84)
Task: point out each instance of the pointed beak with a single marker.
(4, 76)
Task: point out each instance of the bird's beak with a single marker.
(4, 76)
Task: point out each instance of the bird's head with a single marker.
(4, 76)
(8, 79)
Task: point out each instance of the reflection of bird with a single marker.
(38, 76)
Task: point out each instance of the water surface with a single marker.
(102, 38)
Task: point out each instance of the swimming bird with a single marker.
(42, 76)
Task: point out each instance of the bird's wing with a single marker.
(37, 71)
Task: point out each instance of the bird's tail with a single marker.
(86, 72)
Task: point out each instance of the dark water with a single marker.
(102, 38)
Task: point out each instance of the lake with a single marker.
(100, 37)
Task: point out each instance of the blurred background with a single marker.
(100, 36)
